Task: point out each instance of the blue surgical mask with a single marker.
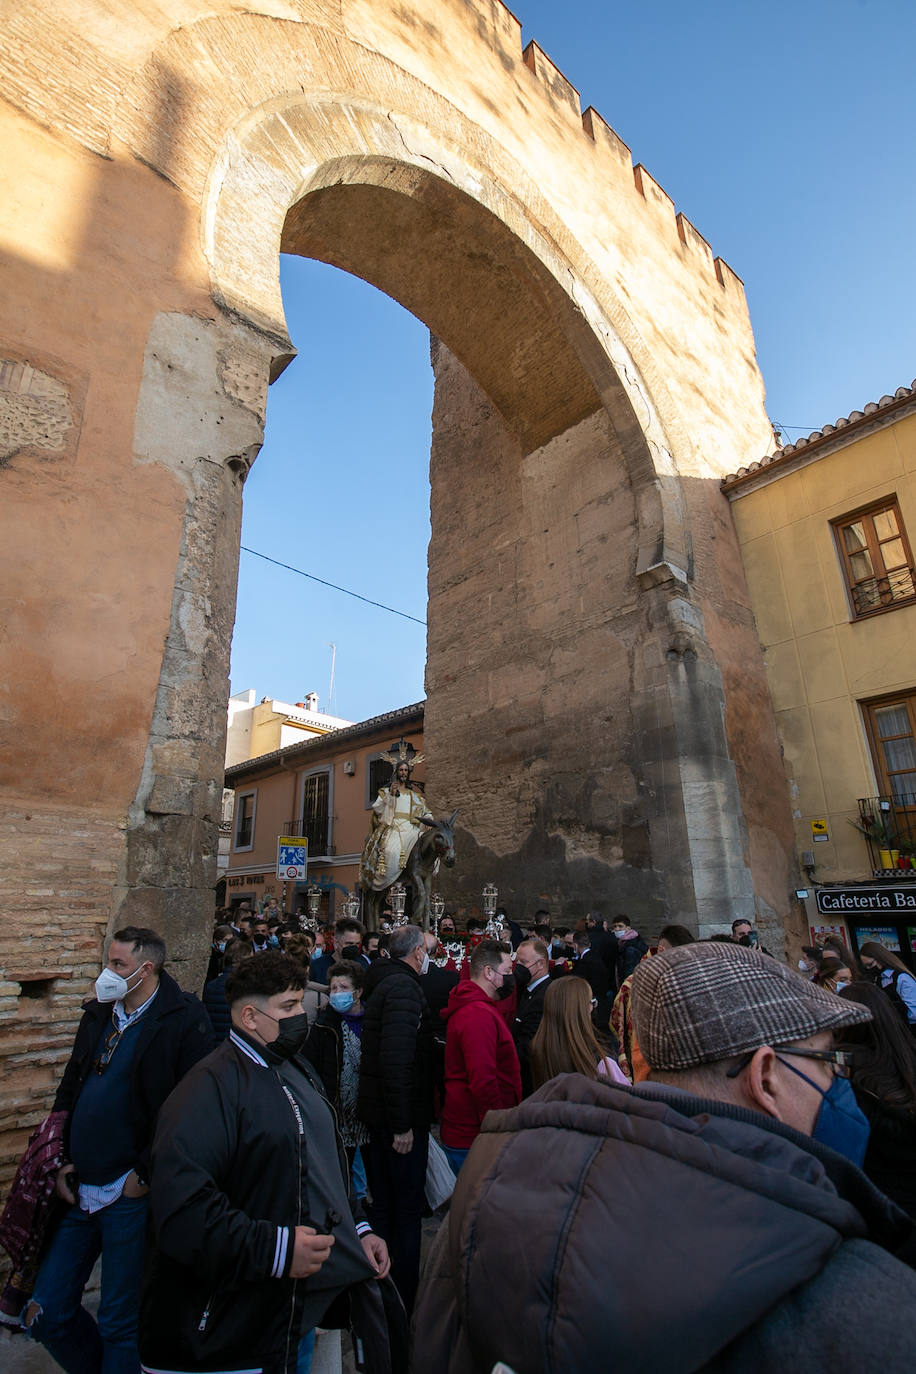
(840, 1123)
(341, 1001)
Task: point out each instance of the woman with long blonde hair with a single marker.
(565, 1041)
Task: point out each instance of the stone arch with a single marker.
(349, 182)
(301, 180)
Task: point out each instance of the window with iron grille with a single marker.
(315, 794)
(876, 558)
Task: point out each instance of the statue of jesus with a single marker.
(398, 813)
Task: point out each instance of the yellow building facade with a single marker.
(261, 727)
(826, 529)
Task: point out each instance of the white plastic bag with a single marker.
(440, 1181)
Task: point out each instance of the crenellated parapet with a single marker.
(563, 96)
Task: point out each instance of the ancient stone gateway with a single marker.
(596, 698)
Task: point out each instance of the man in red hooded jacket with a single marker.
(482, 1071)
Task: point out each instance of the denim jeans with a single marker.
(63, 1326)
(455, 1157)
(397, 1184)
(358, 1182)
(306, 1352)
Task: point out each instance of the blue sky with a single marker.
(783, 131)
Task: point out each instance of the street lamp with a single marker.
(490, 894)
(398, 894)
(312, 901)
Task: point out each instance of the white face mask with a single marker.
(841, 986)
(425, 965)
(111, 987)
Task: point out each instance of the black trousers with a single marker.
(397, 1185)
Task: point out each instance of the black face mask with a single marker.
(507, 986)
(522, 976)
(372, 954)
(349, 952)
(291, 1036)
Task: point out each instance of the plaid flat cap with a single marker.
(700, 1003)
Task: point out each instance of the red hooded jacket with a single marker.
(481, 1065)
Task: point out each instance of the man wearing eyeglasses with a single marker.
(722, 1197)
(137, 1038)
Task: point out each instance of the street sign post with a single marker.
(292, 858)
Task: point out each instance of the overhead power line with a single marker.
(333, 585)
(809, 428)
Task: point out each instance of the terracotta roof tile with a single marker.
(900, 396)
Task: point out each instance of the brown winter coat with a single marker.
(598, 1227)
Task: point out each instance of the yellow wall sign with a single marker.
(819, 830)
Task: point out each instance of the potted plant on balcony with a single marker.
(907, 848)
(883, 835)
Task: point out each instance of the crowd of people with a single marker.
(732, 1139)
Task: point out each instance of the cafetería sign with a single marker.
(847, 901)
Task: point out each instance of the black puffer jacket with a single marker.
(396, 1073)
(324, 1051)
(174, 1034)
(727, 1236)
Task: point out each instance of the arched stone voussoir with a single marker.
(248, 113)
(443, 236)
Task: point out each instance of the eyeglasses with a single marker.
(842, 1060)
(112, 1041)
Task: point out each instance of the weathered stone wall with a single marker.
(534, 619)
(605, 750)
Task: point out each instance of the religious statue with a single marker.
(398, 813)
(401, 819)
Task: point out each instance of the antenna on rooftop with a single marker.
(331, 706)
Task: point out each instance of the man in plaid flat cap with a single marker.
(706, 1219)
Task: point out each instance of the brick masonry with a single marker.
(60, 870)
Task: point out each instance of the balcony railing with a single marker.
(898, 585)
(889, 827)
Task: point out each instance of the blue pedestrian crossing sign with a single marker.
(292, 857)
